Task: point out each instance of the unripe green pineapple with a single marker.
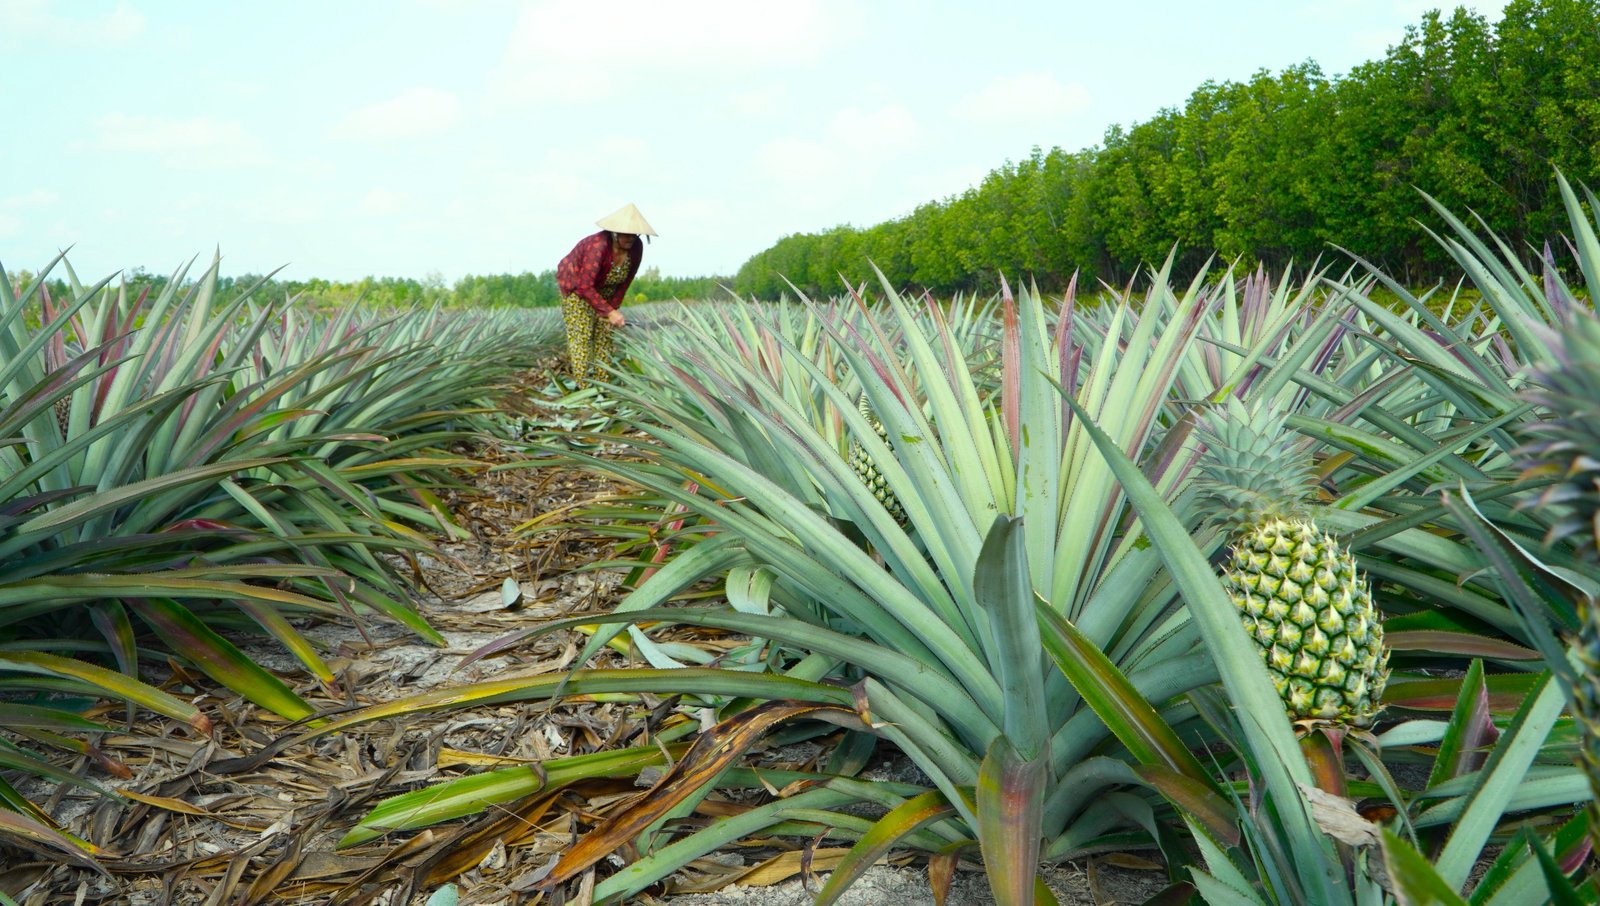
(1567, 446)
(1298, 591)
(867, 469)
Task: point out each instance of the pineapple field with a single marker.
(1262, 588)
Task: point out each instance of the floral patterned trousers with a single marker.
(589, 340)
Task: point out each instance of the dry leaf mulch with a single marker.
(234, 819)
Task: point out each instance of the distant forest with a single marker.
(1282, 167)
(525, 289)
(528, 290)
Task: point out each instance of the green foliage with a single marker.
(175, 471)
(524, 290)
(1045, 460)
(1274, 169)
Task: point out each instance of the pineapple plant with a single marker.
(867, 469)
(1298, 591)
(1566, 446)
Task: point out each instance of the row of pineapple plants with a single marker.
(178, 475)
(1167, 572)
(986, 532)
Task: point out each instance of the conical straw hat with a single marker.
(626, 219)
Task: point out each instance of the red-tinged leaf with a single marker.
(115, 684)
(1114, 699)
(108, 764)
(1010, 810)
(205, 525)
(1574, 856)
(223, 431)
(112, 498)
(1556, 882)
(111, 619)
(71, 744)
(1466, 742)
(1460, 643)
(905, 818)
(1325, 759)
(1506, 692)
(1195, 798)
(489, 649)
(713, 752)
(185, 634)
(58, 384)
(170, 584)
(942, 872)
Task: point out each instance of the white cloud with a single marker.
(195, 141)
(420, 111)
(34, 199)
(579, 50)
(561, 189)
(759, 101)
(14, 210)
(612, 155)
(855, 147)
(1374, 41)
(1030, 98)
(55, 22)
(381, 202)
(1408, 11)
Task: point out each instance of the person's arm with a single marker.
(580, 271)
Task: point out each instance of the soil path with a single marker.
(212, 825)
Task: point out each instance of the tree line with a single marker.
(524, 290)
(1284, 167)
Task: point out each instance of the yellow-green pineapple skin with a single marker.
(1299, 593)
(1303, 601)
(865, 468)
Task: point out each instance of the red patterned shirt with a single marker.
(583, 272)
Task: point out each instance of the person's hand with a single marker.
(616, 318)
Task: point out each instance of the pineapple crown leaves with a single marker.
(1566, 444)
(1252, 470)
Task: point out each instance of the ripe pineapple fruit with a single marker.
(867, 469)
(1567, 445)
(1298, 591)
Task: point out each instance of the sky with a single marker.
(439, 138)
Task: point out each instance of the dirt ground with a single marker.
(212, 821)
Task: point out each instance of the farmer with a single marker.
(594, 278)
